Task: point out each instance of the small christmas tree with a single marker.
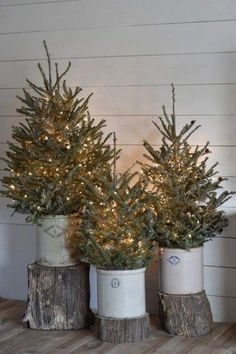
(184, 191)
(117, 231)
(58, 143)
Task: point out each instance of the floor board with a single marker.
(14, 339)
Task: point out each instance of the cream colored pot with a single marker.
(52, 245)
(121, 293)
(181, 271)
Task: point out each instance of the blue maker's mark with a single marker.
(174, 260)
(115, 283)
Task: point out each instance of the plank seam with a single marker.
(137, 85)
(118, 56)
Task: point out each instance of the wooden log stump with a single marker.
(185, 315)
(123, 330)
(58, 297)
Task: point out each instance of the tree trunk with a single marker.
(58, 297)
(185, 315)
(122, 330)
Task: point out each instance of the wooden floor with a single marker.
(14, 339)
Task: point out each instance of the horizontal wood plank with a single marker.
(220, 281)
(18, 237)
(185, 38)
(220, 253)
(13, 273)
(211, 100)
(223, 308)
(128, 71)
(90, 13)
(134, 129)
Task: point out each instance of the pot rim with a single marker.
(192, 249)
(121, 272)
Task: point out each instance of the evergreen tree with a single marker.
(117, 230)
(184, 194)
(57, 143)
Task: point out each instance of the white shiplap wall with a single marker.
(128, 52)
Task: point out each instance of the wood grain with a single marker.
(16, 339)
(58, 297)
(122, 330)
(185, 315)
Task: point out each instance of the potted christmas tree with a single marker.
(185, 197)
(57, 143)
(117, 237)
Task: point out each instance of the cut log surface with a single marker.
(58, 297)
(123, 330)
(185, 315)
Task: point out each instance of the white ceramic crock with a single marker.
(181, 271)
(121, 293)
(93, 288)
(52, 248)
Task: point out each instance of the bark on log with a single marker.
(122, 330)
(58, 297)
(185, 315)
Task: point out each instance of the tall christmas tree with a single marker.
(185, 192)
(57, 143)
(117, 230)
